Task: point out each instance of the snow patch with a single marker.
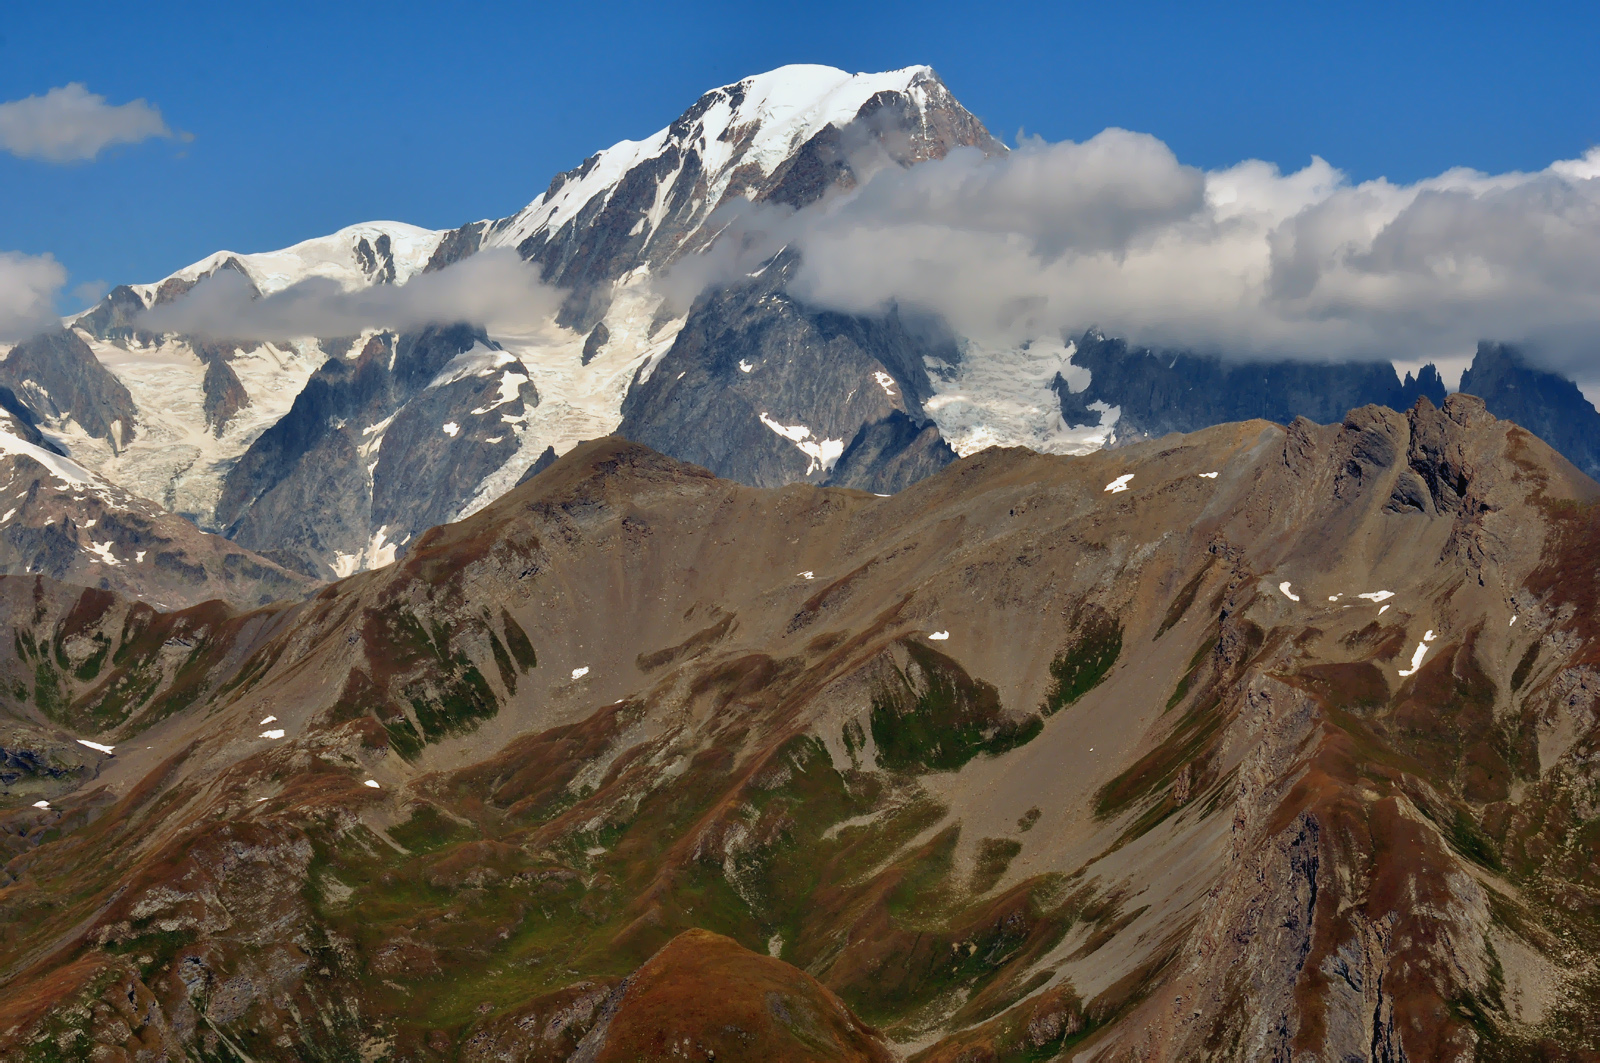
(372, 783)
(276, 732)
(510, 388)
(1004, 397)
(885, 381)
(1377, 596)
(1120, 483)
(1416, 658)
(267, 720)
(477, 360)
(450, 429)
(102, 552)
(1287, 593)
(939, 636)
(579, 673)
(1208, 476)
(822, 452)
(96, 746)
(378, 553)
(41, 804)
(807, 574)
(63, 469)
(745, 367)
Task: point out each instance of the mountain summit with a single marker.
(329, 454)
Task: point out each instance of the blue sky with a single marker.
(306, 118)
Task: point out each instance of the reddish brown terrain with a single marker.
(637, 763)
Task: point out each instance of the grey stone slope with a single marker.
(1172, 391)
(1546, 404)
(752, 359)
(58, 377)
(368, 449)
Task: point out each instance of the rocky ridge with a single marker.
(59, 520)
(1258, 742)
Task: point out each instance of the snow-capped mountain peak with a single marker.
(328, 453)
(355, 256)
(651, 195)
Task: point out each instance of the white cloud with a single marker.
(28, 287)
(72, 124)
(90, 292)
(1247, 261)
(492, 288)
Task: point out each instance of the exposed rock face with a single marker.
(19, 421)
(1162, 391)
(182, 284)
(456, 245)
(112, 318)
(596, 342)
(890, 455)
(1549, 406)
(75, 529)
(377, 449)
(58, 376)
(1011, 765)
(764, 390)
(376, 258)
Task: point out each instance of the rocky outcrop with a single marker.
(762, 389)
(59, 378)
(1549, 406)
(890, 455)
(376, 449)
(114, 317)
(456, 245)
(1172, 391)
(77, 530)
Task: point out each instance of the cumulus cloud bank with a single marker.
(1248, 262)
(72, 124)
(28, 287)
(1115, 233)
(494, 288)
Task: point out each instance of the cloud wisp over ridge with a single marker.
(72, 124)
(494, 288)
(28, 287)
(1115, 232)
(1247, 262)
